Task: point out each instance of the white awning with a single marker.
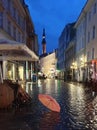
(12, 50)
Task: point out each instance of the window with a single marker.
(14, 32)
(14, 12)
(8, 4)
(89, 16)
(23, 39)
(88, 37)
(18, 19)
(92, 53)
(83, 45)
(1, 19)
(93, 32)
(94, 9)
(9, 27)
(23, 24)
(19, 36)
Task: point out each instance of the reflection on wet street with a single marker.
(78, 108)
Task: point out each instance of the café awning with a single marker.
(12, 50)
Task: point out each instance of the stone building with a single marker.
(48, 65)
(80, 47)
(86, 54)
(18, 41)
(65, 38)
(70, 64)
(91, 39)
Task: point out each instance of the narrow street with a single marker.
(78, 108)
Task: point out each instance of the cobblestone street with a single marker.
(78, 108)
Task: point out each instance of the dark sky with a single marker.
(53, 15)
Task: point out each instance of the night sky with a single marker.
(53, 15)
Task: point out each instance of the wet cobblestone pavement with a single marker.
(78, 108)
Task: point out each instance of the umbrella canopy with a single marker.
(49, 102)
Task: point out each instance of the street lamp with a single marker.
(73, 67)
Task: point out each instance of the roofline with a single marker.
(28, 13)
(83, 12)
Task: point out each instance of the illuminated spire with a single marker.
(43, 42)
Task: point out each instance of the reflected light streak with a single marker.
(39, 83)
(94, 113)
(77, 101)
(29, 87)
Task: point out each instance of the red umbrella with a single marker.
(49, 102)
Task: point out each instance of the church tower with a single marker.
(43, 43)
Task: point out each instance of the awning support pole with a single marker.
(1, 76)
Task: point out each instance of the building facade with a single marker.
(86, 28)
(48, 65)
(64, 40)
(70, 64)
(17, 31)
(91, 39)
(80, 47)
